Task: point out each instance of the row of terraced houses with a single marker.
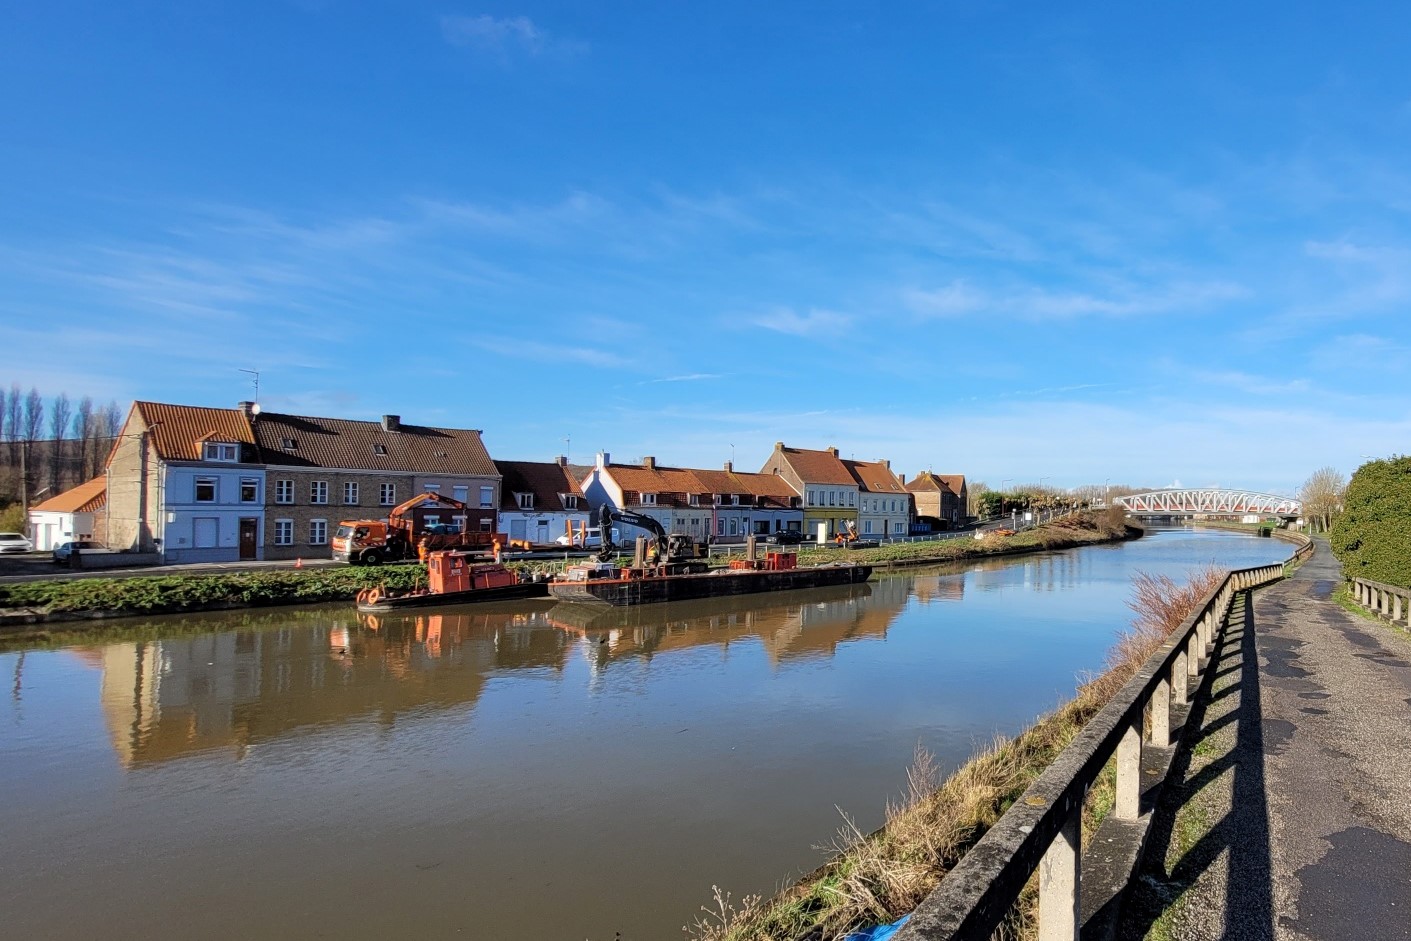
(197, 484)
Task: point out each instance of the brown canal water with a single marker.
(525, 771)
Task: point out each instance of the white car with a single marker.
(15, 542)
(592, 539)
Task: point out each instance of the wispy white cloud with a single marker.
(692, 377)
(962, 298)
(504, 36)
(815, 323)
(551, 353)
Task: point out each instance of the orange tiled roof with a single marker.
(176, 431)
(85, 498)
(817, 467)
(672, 485)
(365, 445)
(874, 477)
(766, 488)
(545, 481)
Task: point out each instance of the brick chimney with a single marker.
(247, 409)
(561, 460)
(833, 451)
(391, 422)
(649, 462)
(729, 467)
(902, 478)
(604, 459)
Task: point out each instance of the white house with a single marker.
(71, 516)
(540, 502)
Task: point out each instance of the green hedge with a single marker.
(1372, 538)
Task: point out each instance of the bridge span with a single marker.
(1208, 502)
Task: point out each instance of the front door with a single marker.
(249, 539)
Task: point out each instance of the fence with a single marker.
(1042, 831)
(1388, 601)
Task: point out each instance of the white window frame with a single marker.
(284, 532)
(284, 491)
(318, 532)
(487, 496)
(649, 499)
(460, 492)
(350, 493)
(196, 489)
(221, 452)
(525, 501)
(318, 492)
(430, 488)
(252, 482)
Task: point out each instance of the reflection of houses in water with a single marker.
(795, 625)
(937, 588)
(168, 698)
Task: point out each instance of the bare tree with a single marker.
(58, 430)
(33, 425)
(83, 430)
(974, 489)
(12, 421)
(1322, 495)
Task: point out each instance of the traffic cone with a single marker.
(299, 563)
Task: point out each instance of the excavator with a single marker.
(670, 553)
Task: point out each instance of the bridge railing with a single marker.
(1042, 832)
(1389, 601)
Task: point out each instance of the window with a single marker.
(810, 498)
(487, 496)
(318, 491)
(867, 527)
(720, 526)
(318, 532)
(461, 492)
(649, 499)
(380, 450)
(897, 528)
(284, 491)
(734, 499)
(852, 499)
(570, 501)
(350, 494)
(219, 451)
(284, 532)
(695, 499)
(525, 500)
(832, 498)
(459, 523)
(205, 490)
(430, 488)
(249, 490)
(289, 444)
(387, 494)
(487, 525)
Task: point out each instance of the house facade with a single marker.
(321, 471)
(941, 499)
(745, 503)
(75, 514)
(828, 489)
(186, 481)
(540, 502)
(670, 495)
(884, 505)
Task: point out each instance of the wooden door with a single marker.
(249, 539)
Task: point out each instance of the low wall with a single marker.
(113, 560)
(1391, 602)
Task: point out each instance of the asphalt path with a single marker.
(1295, 800)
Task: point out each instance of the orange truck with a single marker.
(423, 524)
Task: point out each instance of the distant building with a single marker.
(72, 516)
(540, 501)
(828, 489)
(884, 505)
(942, 499)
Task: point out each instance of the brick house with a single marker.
(828, 488)
(941, 499)
(324, 470)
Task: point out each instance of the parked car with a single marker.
(592, 539)
(64, 550)
(787, 537)
(15, 542)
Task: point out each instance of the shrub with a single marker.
(1372, 538)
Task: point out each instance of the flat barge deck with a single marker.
(655, 589)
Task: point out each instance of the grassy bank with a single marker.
(876, 878)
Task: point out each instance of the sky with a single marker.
(1154, 244)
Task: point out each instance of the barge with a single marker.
(604, 584)
(452, 578)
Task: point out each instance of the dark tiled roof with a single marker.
(929, 482)
(177, 431)
(874, 477)
(817, 467)
(545, 481)
(85, 498)
(359, 445)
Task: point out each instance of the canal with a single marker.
(525, 771)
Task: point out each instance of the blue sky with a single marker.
(1151, 244)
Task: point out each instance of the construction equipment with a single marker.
(414, 528)
(670, 553)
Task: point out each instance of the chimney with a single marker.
(778, 445)
(247, 409)
(902, 478)
(887, 463)
(391, 422)
(833, 451)
(604, 459)
(649, 462)
(729, 467)
(561, 460)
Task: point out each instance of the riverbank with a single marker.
(27, 608)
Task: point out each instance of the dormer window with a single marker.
(222, 451)
(288, 444)
(570, 501)
(649, 499)
(695, 499)
(525, 501)
(734, 499)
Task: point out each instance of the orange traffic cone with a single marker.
(299, 563)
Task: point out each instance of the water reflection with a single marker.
(164, 699)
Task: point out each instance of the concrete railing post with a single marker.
(1060, 879)
(1193, 659)
(1129, 772)
(1396, 607)
(1161, 714)
(1179, 680)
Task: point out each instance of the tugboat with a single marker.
(453, 578)
(671, 571)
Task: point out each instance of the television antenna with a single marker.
(256, 374)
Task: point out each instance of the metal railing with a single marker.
(1042, 832)
(1388, 601)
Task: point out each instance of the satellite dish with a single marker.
(255, 409)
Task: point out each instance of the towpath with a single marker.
(1291, 818)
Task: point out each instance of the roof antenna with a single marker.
(256, 374)
(568, 449)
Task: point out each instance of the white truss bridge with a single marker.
(1212, 502)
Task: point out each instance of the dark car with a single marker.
(787, 537)
(64, 550)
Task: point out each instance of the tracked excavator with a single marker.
(669, 554)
